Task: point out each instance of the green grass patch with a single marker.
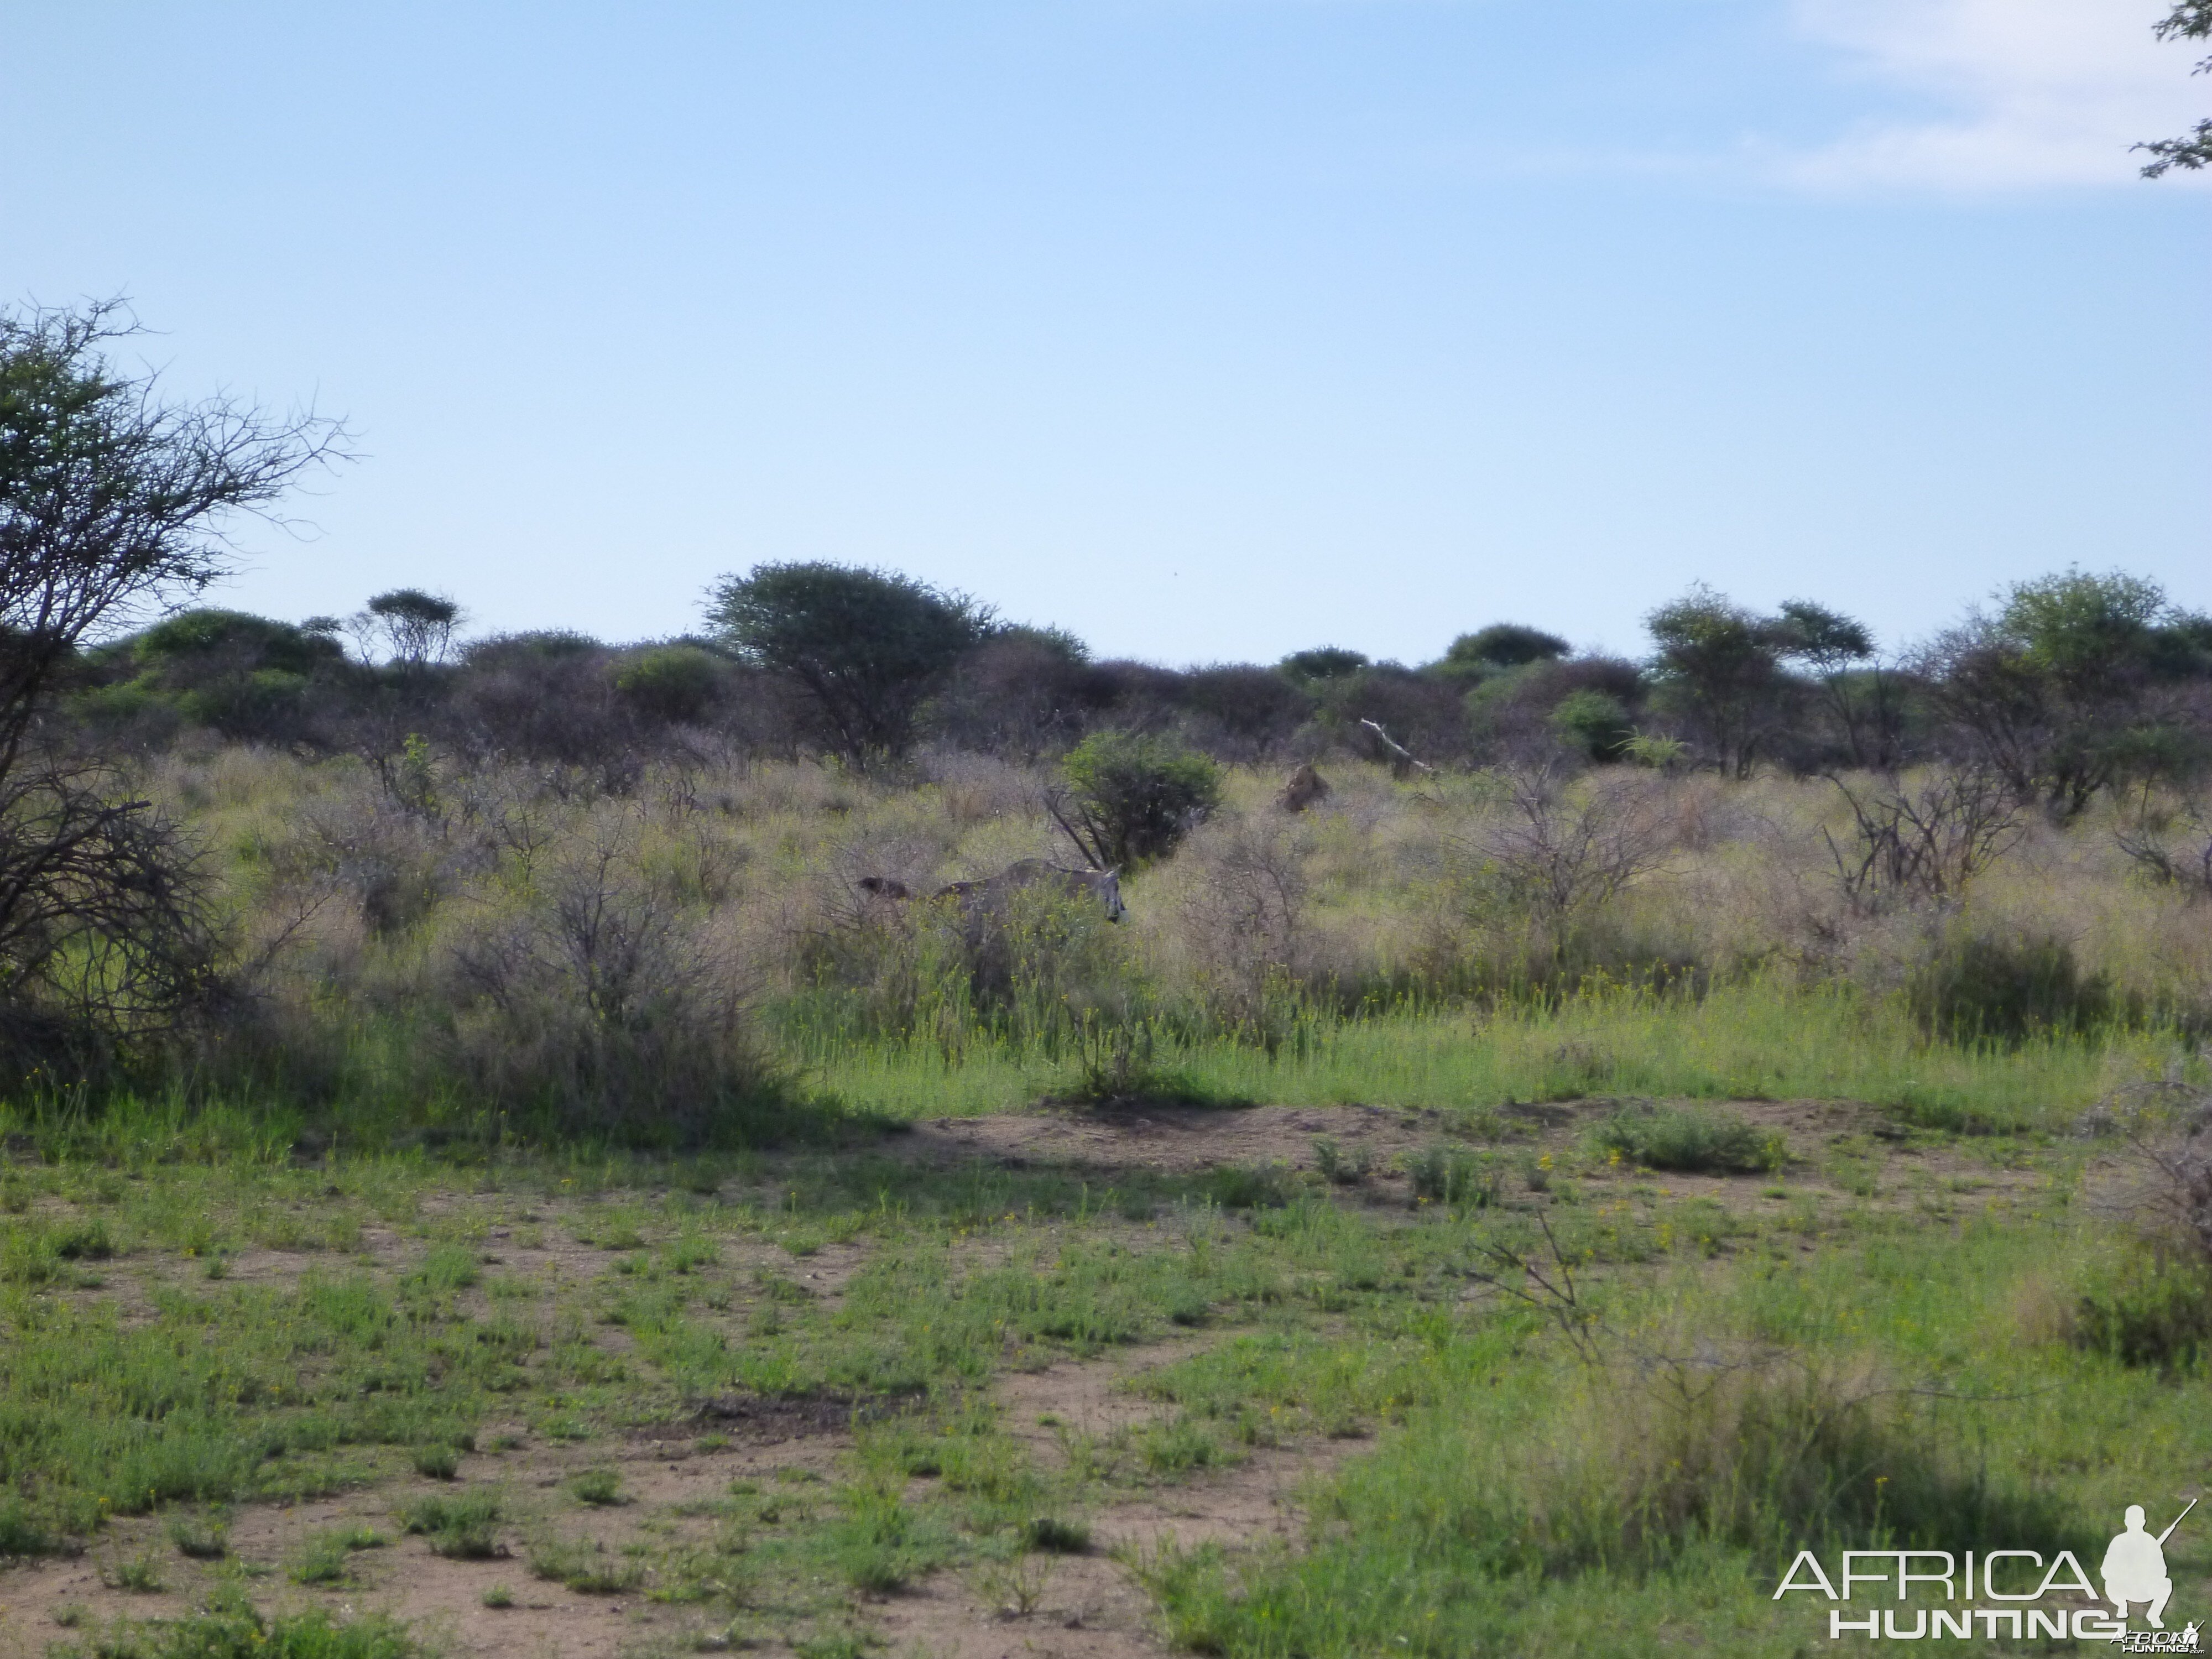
(1762, 1039)
(460, 1527)
(1691, 1139)
(247, 1635)
(325, 1558)
(597, 1488)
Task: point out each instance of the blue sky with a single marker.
(1211, 328)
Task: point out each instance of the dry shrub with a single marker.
(2162, 1185)
(1548, 877)
(2171, 846)
(804, 789)
(1698, 812)
(1559, 850)
(1243, 914)
(349, 896)
(873, 968)
(2151, 1303)
(2041, 1311)
(1922, 843)
(979, 788)
(394, 866)
(2147, 1310)
(1049, 965)
(864, 866)
(107, 937)
(600, 1006)
(1031, 965)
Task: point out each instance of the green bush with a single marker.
(1979, 988)
(138, 1574)
(201, 1540)
(1117, 1066)
(1452, 1174)
(1058, 1537)
(1340, 1167)
(599, 1487)
(584, 1567)
(867, 648)
(1246, 1187)
(1326, 662)
(459, 1526)
(672, 684)
(1178, 1447)
(1494, 1524)
(1137, 796)
(2147, 1311)
(1690, 1138)
(86, 1241)
(1593, 723)
(1505, 645)
(326, 1557)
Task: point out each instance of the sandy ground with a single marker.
(1085, 1606)
(1183, 1139)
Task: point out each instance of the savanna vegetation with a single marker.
(432, 1069)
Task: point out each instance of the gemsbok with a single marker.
(991, 892)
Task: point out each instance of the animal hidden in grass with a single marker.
(991, 892)
(1302, 788)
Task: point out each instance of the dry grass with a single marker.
(524, 939)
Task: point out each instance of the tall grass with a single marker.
(1762, 1039)
(499, 955)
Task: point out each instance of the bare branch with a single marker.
(1402, 763)
(1924, 843)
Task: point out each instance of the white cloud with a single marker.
(2024, 93)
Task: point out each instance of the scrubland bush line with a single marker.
(698, 963)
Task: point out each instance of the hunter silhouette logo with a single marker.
(1924, 1595)
(2134, 1567)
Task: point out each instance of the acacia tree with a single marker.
(1717, 666)
(2190, 19)
(417, 627)
(2052, 689)
(1837, 650)
(1506, 645)
(114, 500)
(869, 647)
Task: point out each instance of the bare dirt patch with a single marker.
(1090, 1396)
(1086, 1606)
(1090, 1606)
(1821, 1136)
(1167, 1138)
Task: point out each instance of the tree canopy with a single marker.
(114, 500)
(417, 627)
(1715, 664)
(2190, 19)
(1506, 645)
(869, 647)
